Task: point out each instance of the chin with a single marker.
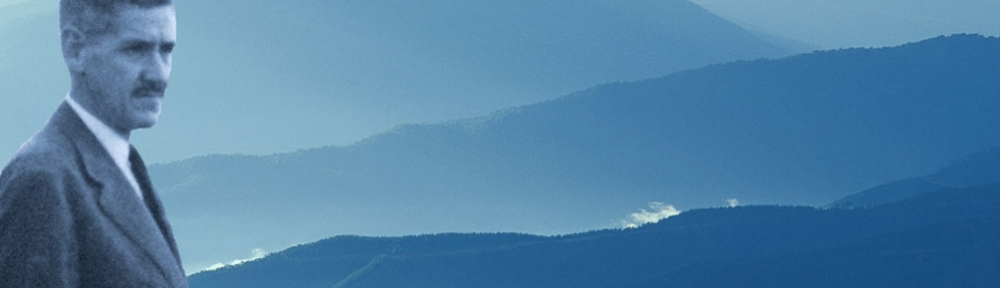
(145, 121)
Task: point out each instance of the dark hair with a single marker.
(96, 17)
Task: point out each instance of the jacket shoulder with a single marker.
(43, 151)
(45, 156)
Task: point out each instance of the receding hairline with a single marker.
(97, 17)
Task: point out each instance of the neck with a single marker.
(83, 100)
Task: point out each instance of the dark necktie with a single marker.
(150, 198)
(138, 170)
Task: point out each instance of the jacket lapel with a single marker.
(116, 197)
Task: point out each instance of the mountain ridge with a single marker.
(687, 244)
(979, 169)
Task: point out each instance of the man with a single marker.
(76, 206)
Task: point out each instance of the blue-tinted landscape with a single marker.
(588, 143)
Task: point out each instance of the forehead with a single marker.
(157, 24)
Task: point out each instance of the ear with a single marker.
(73, 44)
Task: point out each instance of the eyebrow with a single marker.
(134, 41)
(142, 39)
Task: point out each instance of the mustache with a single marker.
(150, 88)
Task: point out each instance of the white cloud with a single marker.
(659, 212)
(733, 202)
(255, 254)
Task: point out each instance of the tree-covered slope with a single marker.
(935, 240)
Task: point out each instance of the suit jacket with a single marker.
(69, 217)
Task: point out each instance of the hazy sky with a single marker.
(358, 68)
(833, 24)
(9, 2)
(860, 23)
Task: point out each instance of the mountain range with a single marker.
(802, 130)
(943, 238)
(262, 77)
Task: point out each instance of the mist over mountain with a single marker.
(262, 77)
(803, 130)
(943, 239)
(977, 170)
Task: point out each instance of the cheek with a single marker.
(100, 71)
(111, 77)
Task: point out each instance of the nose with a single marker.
(157, 68)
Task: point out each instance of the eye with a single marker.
(167, 48)
(136, 47)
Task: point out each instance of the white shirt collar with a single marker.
(116, 145)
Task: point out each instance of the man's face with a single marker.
(126, 71)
